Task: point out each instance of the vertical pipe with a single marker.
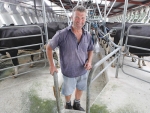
(65, 12)
(105, 10)
(35, 7)
(111, 7)
(82, 2)
(99, 10)
(122, 33)
(88, 92)
(45, 23)
(55, 76)
(105, 17)
(71, 3)
(78, 2)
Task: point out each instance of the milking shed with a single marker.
(117, 83)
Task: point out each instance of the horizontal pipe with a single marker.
(20, 37)
(22, 65)
(20, 56)
(21, 47)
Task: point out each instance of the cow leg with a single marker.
(126, 50)
(107, 49)
(58, 62)
(133, 59)
(13, 53)
(100, 42)
(4, 55)
(143, 62)
(40, 56)
(58, 59)
(113, 64)
(20, 52)
(104, 45)
(139, 60)
(32, 59)
(16, 71)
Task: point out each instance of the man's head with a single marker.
(79, 16)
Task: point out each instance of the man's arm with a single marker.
(88, 64)
(50, 59)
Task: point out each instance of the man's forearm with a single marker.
(90, 56)
(49, 55)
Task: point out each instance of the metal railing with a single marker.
(92, 72)
(20, 47)
(131, 46)
(57, 93)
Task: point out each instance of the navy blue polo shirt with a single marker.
(73, 54)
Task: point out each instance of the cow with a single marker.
(25, 31)
(104, 39)
(138, 30)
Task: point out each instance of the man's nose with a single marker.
(80, 20)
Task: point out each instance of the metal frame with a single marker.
(92, 72)
(105, 58)
(56, 84)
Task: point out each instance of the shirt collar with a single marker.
(70, 28)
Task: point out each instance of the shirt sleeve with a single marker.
(90, 47)
(53, 43)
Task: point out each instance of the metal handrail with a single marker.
(99, 11)
(25, 71)
(57, 93)
(92, 73)
(126, 45)
(19, 37)
(122, 33)
(69, 21)
(19, 47)
(41, 34)
(111, 7)
(20, 56)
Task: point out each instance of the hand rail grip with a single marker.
(57, 93)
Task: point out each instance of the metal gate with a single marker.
(131, 46)
(20, 48)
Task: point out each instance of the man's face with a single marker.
(78, 19)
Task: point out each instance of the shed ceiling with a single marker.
(117, 8)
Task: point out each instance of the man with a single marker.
(76, 52)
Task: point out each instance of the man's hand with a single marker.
(52, 70)
(88, 65)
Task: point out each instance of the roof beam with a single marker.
(130, 2)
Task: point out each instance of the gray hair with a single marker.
(79, 8)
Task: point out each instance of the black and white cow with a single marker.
(104, 39)
(138, 30)
(25, 31)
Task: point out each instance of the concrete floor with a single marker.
(33, 92)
